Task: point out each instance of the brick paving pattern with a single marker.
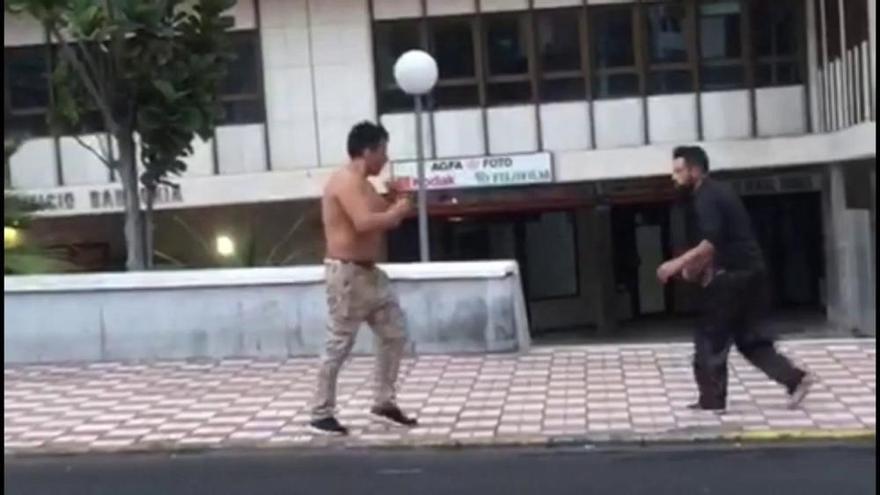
(602, 391)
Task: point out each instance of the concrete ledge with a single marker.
(265, 313)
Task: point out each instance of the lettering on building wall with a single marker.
(776, 185)
(797, 183)
(110, 199)
(55, 201)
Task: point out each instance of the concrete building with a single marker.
(549, 135)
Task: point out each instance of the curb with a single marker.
(620, 440)
(801, 435)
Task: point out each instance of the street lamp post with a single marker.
(416, 73)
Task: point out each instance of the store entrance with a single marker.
(543, 244)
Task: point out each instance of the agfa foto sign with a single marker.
(462, 173)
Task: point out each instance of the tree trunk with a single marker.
(149, 241)
(134, 220)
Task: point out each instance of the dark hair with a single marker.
(365, 136)
(693, 156)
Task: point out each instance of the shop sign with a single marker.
(482, 172)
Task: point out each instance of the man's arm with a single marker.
(356, 203)
(709, 217)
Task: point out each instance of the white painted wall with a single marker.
(542, 4)
(201, 162)
(459, 133)
(343, 70)
(245, 15)
(619, 123)
(241, 149)
(33, 165)
(672, 119)
(503, 5)
(781, 111)
(80, 166)
(572, 166)
(396, 9)
(566, 126)
(450, 7)
(401, 128)
(290, 102)
(726, 115)
(512, 129)
(21, 30)
(735, 154)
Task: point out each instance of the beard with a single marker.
(684, 192)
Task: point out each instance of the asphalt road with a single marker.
(802, 470)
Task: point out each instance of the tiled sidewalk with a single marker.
(622, 392)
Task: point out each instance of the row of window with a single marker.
(603, 51)
(847, 100)
(27, 92)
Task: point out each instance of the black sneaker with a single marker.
(393, 414)
(329, 426)
(696, 406)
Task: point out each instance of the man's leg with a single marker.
(338, 346)
(758, 348)
(389, 325)
(761, 352)
(711, 347)
(342, 327)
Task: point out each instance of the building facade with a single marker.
(549, 137)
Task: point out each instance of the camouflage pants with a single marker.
(358, 294)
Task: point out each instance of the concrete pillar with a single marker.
(603, 288)
(813, 74)
(872, 19)
(849, 261)
(871, 323)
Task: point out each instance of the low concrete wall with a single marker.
(275, 312)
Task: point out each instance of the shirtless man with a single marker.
(356, 219)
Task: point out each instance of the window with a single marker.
(776, 42)
(551, 267)
(721, 49)
(856, 20)
(669, 59)
(507, 57)
(393, 39)
(240, 93)
(613, 50)
(558, 36)
(832, 26)
(26, 90)
(614, 57)
(451, 41)
(90, 120)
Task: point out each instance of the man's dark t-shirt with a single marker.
(721, 218)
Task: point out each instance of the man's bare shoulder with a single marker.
(339, 179)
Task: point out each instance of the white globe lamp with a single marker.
(416, 72)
